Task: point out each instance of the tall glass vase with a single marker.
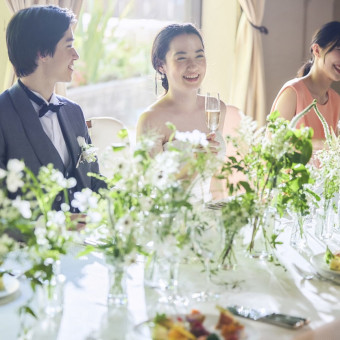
(50, 294)
(117, 276)
(298, 238)
(325, 220)
(262, 229)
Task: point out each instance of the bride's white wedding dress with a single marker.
(201, 188)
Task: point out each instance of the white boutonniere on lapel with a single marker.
(88, 152)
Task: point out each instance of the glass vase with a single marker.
(50, 294)
(325, 219)
(298, 238)
(117, 292)
(262, 229)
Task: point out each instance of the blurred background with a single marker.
(253, 47)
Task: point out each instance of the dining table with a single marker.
(259, 283)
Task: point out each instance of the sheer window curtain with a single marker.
(248, 87)
(16, 5)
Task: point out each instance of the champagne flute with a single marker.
(212, 111)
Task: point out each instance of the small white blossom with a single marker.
(56, 218)
(65, 207)
(124, 225)
(81, 141)
(71, 182)
(88, 151)
(84, 200)
(3, 173)
(14, 165)
(94, 216)
(59, 178)
(14, 181)
(23, 207)
(41, 232)
(195, 138)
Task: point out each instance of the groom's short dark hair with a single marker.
(35, 30)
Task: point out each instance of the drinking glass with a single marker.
(212, 111)
(208, 242)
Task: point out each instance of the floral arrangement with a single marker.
(272, 162)
(31, 218)
(144, 191)
(88, 152)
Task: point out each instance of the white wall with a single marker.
(219, 25)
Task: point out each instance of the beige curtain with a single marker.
(248, 89)
(74, 5)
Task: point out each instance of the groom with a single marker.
(36, 125)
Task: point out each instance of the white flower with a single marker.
(23, 207)
(41, 232)
(56, 218)
(88, 151)
(14, 165)
(124, 224)
(59, 178)
(94, 216)
(84, 200)
(14, 181)
(3, 173)
(195, 137)
(71, 182)
(65, 207)
(81, 141)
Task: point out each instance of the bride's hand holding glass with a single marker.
(212, 114)
(213, 144)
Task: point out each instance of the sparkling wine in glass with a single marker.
(212, 110)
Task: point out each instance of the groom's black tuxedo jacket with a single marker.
(22, 137)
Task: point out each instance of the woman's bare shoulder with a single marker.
(152, 119)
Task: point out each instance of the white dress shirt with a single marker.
(51, 126)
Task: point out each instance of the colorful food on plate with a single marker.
(332, 259)
(191, 327)
(230, 328)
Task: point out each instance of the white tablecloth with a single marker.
(253, 283)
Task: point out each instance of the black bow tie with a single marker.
(40, 102)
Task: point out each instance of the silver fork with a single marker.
(306, 275)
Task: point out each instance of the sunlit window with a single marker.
(114, 76)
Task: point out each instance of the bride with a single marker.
(178, 56)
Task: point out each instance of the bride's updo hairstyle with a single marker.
(328, 38)
(161, 44)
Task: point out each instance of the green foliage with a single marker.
(328, 255)
(105, 55)
(273, 173)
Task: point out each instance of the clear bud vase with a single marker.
(50, 294)
(325, 219)
(117, 292)
(298, 238)
(263, 228)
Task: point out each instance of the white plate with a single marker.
(322, 268)
(144, 329)
(11, 286)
